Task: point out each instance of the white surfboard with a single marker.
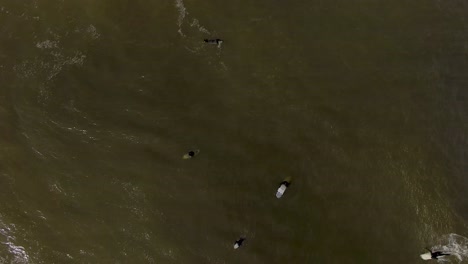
(238, 243)
(426, 256)
(281, 191)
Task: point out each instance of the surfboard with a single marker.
(426, 256)
(280, 191)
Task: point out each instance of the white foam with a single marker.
(47, 44)
(182, 13)
(18, 252)
(56, 188)
(86, 253)
(93, 32)
(200, 28)
(454, 245)
(52, 60)
(75, 130)
(41, 215)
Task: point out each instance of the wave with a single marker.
(18, 253)
(453, 244)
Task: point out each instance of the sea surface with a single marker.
(363, 103)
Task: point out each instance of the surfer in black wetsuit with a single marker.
(190, 154)
(239, 242)
(213, 41)
(437, 254)
(286, 183)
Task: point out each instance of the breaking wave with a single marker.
(453, 244)
(17, 254)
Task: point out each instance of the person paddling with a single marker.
(239, 242)
(437, 254)
(433, 255)
(190, 154)
(214, 41)
(283, 186)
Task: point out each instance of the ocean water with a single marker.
(362, 103)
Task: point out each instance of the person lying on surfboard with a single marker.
(239, 242)
(190, 154)
(437, 254)
(283, 185)
(214, 41)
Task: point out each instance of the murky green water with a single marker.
(362, 103)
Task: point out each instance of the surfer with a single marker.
(283, 185)
(238, 243)
(190, 154)
(214, 41)
(435, 254)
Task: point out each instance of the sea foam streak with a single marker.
(182, 13)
